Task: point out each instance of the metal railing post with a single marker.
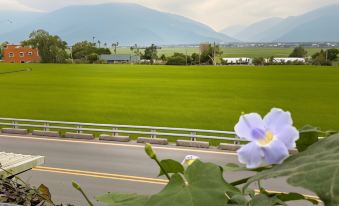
(114, 132)
(237, 142)
(46, 125)
(153, 135)
(193, 138)
(79, 131)
(15, 125)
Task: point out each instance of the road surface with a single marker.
(101, 167)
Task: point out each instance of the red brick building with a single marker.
(20, 54)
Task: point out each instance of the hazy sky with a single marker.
(216, 13)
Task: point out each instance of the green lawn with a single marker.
(231, 52)
(193, 97)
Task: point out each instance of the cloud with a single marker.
(216, 13)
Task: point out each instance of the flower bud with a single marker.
(149, 151)
(76, 185)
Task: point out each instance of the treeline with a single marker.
(53, 49)
(327, 57)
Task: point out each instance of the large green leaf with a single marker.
(202, 184)
(316, 169)
(120, 199)
(171, 166)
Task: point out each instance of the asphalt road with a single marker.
(101, 167)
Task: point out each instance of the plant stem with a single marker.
(85, 196)
(239, 182)
(162, 168)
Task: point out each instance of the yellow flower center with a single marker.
(267, 139)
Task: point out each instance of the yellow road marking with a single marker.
(102, 174)
(112, 176)
(99, 176)
(117, 144)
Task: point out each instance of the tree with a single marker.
(210, 53)
(135, 49)
(163, 57)
(179, 59)
(298, 52)
(151, 53)
(83, 50)
(195, 58)
(52, 49)
(92, 58)
(259, 61)
(320, 58)
(332, 54)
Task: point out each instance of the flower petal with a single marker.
(276, 119)
(251, 155)
(288, 135)
(250, 127)
(276, 152)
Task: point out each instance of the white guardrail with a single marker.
(114, 129)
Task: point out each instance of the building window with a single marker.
(11, 55)
(30, 53)
(21, 54)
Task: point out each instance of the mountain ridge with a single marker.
(126, 23)
(315, 25)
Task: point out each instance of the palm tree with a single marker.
(99, 42)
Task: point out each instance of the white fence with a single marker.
(114, 129)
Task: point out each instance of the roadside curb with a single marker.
(79, 136)
(188, 143)
(106, 137)
(160, 141)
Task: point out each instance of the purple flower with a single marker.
(270, 138)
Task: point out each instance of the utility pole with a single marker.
(214, 62)
(115, 50)
(71, 49)
(186, 55)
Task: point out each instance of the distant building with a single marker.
(119, 58)
(288, 59)
(237, 60)
(20, 54)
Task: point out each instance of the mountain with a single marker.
(233, 30)
(11, 20)
(253, 31)
(125, 23)
(318, 25)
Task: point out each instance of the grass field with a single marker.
(193, 97)
(231, 52)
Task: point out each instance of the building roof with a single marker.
(119, 57)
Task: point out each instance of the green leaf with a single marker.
(238, 199)
(308, 136)
(294, 197)
(316, 169)
(262, 199)
(44, 192)
(232, 167)
(201, 185)
(171, 166)
(120, 199)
